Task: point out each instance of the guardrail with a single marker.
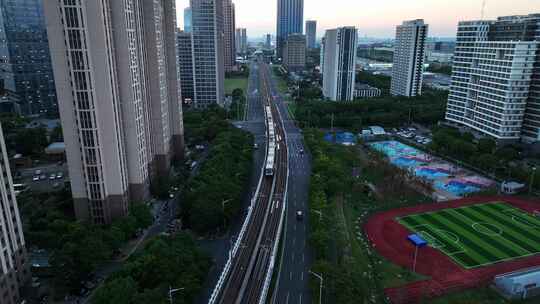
(270, 272)
(232, 253)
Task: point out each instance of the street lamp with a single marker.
(318, 276)
(223, 208)
(533, 173)
(319, 213)
(171, 291)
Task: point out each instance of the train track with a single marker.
(250, 269)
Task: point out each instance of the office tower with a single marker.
(163, 95)
(25, 67)
(409, 56)
(321, 56)
(229, 38)
(311, 34)
(207, 39)
(115, 71)
(496, 78)
(13, 262)
(185, 67)
(241, 41)
(294, 52)
(268, 44)
(187, 20)
(290, 20)
(339, 63)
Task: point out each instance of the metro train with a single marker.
(272, 144)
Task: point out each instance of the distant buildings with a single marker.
(13, 260)
(339, 62)
(25, 65)
(311, 34)
(120, 109)
(294, 52)
(208, 58)
(229, 42)
(366, 91)
(268, 44)
(241, 41)
(409, 57)
(440, 51)
(185, 66)
(188, 20)
(290, 20)
(496, 78)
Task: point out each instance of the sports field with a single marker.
(478, 235)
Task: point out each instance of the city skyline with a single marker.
(442, 17)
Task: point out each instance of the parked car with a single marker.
(43, 177)
(60, 175)
(52, 176)
(35, 178)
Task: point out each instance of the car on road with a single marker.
(301, 151)
(299, 215)
(255, 146)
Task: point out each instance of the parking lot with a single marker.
(413, 134)
(44, 178)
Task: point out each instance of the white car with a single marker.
(35, 178)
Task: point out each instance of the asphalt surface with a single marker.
(293, 270)
(218, 249)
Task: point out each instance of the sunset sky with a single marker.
(375, 18)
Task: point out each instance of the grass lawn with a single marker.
(479, 235)
(235, 83)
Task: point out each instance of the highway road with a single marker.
(273, 212)
(246, 278)
(293, 271)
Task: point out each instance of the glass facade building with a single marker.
(25, 62)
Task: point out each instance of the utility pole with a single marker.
(318, 276)
(533, 173)
(171, 291)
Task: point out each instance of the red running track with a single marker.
(389, 238)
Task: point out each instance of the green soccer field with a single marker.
(479, 235)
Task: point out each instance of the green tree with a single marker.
(118, 291)
(486, 145)
(31, 141)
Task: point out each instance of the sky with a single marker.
(375, 18)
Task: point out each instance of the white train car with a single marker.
(271, 137)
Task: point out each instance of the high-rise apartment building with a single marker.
(311, 34)
(185, 67)
(290, 20)
(163, 91)
(115, 69)
(496, 78)
(294, 52)
(229, 42)
(25, 65)
(268, 44)
(208, 60)
(241, 41)
(339, 63)
(409, 57)
(13, 262)
(188, 20)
